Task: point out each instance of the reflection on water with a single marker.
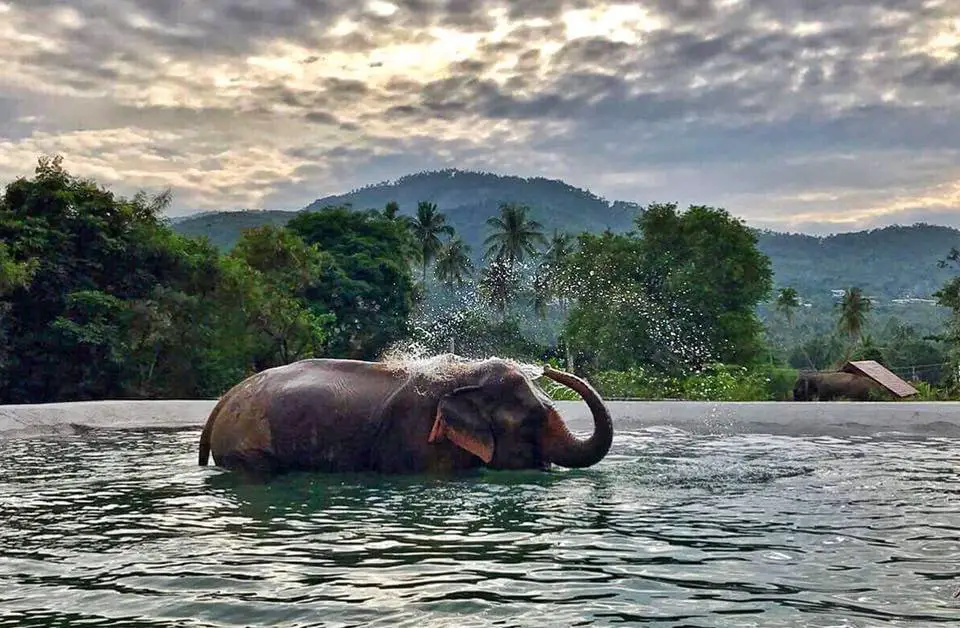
(122, 528)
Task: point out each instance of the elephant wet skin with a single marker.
(830, 385)
(439, 416)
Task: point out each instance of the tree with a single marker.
(453, 262)
(949, 296)
(679, 293)
(559, 249)
(391, 209)
(367, 284)
(14, 274)
(102, 299)
(854, 307)
(908, 353)
(621, 316)
(105, 276)
(709, 261)
(542, 293)
(427, 228)
(499, 283)
(551, 278)
(515, 236)
(787, 302)
(288, 268)
(817, 352)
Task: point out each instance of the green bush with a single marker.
(780, 383)
(716, 382)
(927, 392)
(719, 382)
(637, 383)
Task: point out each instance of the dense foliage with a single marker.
(887, 263)
(678, 293)
(368, 285)
(100, 297)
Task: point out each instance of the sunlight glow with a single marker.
(383, 9)
(619, 22)
(67, 17)
(808, 28)
(946, 45)
(344, 26)
(412, 61)
(942, 196)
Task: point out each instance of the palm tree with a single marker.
(559, 249)
(542, 293)
(553, 265)
(853, 313)
(515, 236)
(427, 228)
(787, 302)
(453, 262)
(498, 284)
(552, 278)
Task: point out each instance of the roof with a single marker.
(878, 373)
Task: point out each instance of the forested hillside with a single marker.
(224, 228)
(99, 298)
(469, 198)
(887, 263)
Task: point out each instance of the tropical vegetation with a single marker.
(101, 297)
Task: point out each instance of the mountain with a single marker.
(887, 263)
(469, 198)
(224, 228)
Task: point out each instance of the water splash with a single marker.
(448, 365)
(664, 333)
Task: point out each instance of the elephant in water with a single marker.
(440, 415)
(829, 385)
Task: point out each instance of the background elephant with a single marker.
(830, 385)
(434, 416)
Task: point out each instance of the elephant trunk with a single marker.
(562, 447)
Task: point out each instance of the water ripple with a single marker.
(122, 528)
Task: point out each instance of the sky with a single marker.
(815, 116)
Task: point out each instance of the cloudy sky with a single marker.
(806, 115)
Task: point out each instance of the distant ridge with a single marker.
(890, 262)
(468, 198)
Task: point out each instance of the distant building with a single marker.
(907, 300)
(880, 374)
(838, 294)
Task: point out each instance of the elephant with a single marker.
(438, 416)
(829, 385)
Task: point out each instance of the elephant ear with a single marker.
(459, 419)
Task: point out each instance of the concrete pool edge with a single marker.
(800, 418)
(77, 416)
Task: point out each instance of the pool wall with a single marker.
(783, 418)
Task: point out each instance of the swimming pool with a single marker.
(702, 515)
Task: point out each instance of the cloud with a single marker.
(822, 114)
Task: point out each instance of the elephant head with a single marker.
(498, 414)
(805, 388)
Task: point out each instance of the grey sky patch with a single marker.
(321, 117)
(710, 101)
